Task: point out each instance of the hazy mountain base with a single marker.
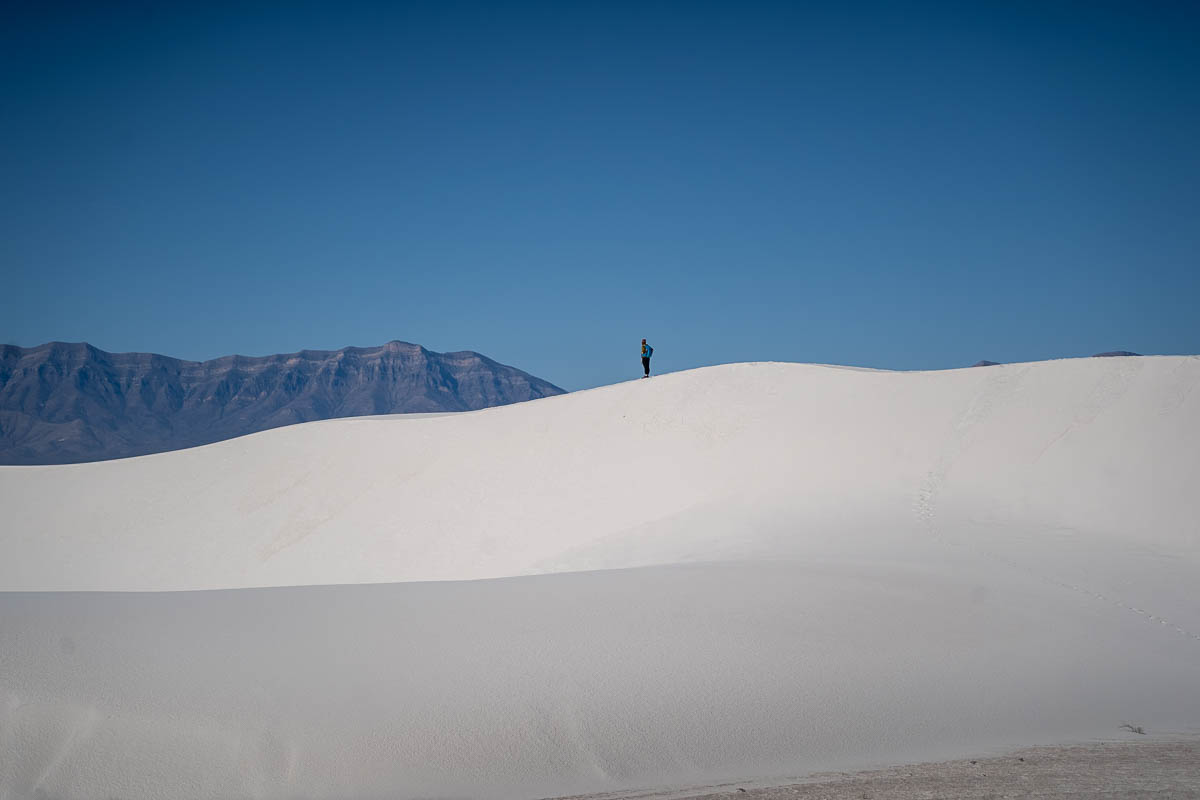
(1163, 767)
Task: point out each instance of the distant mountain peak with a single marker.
(64, 402)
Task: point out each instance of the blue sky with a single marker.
(908, 186)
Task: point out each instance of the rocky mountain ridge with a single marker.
(72, 402)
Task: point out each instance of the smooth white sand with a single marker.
(739, 461)
(840, 569)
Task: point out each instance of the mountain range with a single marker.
(64, 403)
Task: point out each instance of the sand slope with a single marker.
(749, 571)
(746, 460)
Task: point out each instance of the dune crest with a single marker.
(741, 461)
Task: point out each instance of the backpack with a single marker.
(649, 351)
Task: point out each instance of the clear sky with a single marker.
(894, 185)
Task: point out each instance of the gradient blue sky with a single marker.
(894, 185)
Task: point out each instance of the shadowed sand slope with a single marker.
(569, 683)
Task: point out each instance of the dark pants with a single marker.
(646, 364)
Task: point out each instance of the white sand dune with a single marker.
(743, 571)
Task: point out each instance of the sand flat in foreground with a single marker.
(1158, 767)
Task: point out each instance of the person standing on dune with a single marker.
(647, 351)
